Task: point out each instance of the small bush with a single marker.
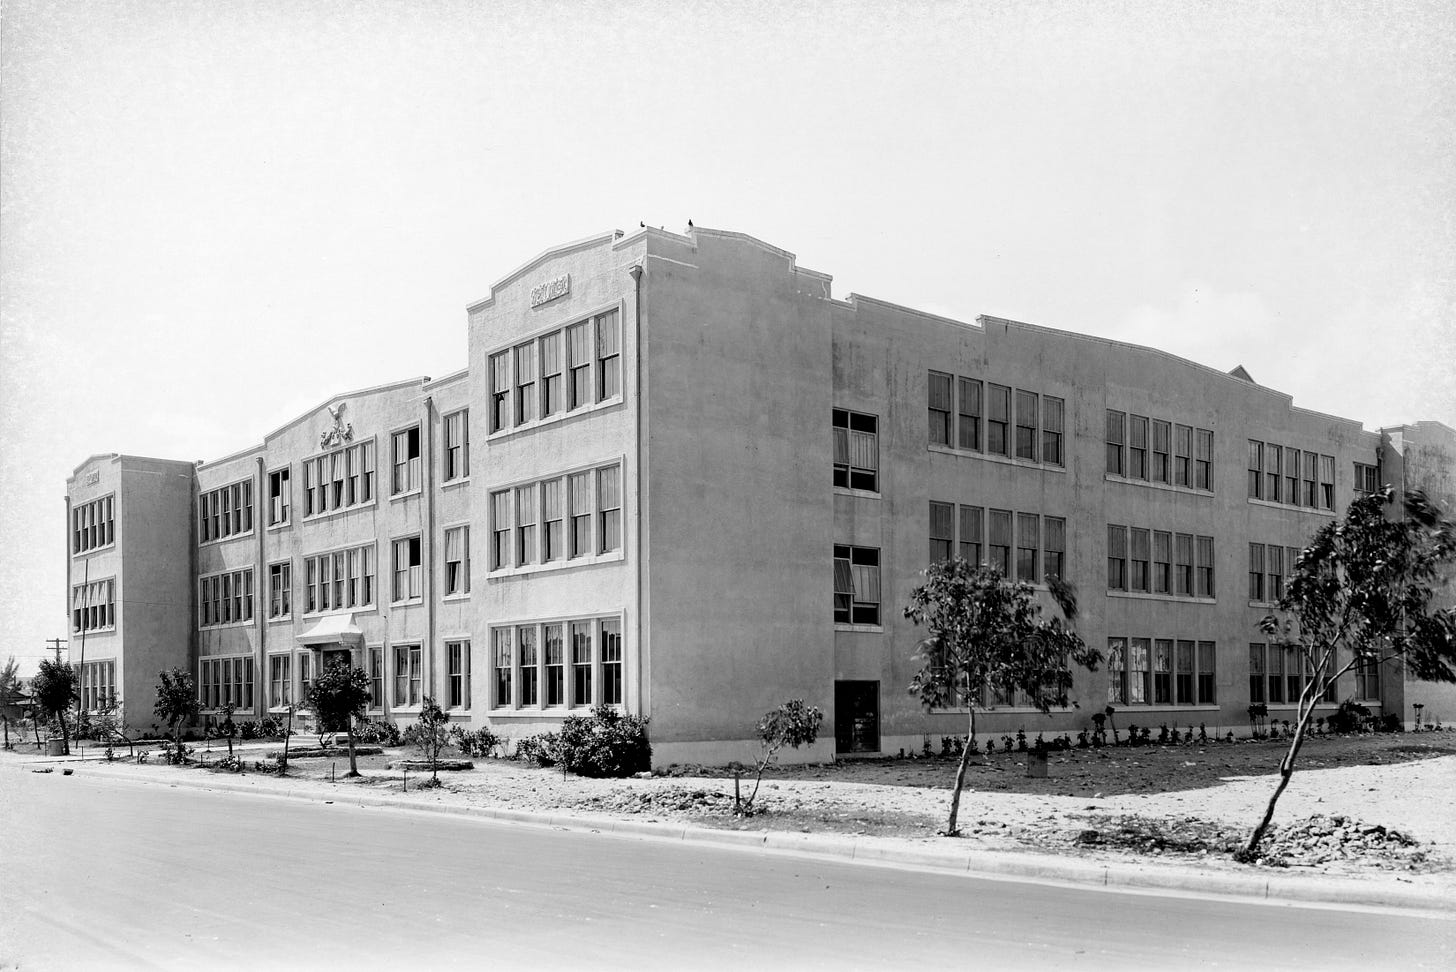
(377, 733)
(543, 749)
(478, 744)
(608, 744)
(1347, 717)
(1390, 722)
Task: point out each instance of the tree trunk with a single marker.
(762, 765)
(287, 735)
(353, 764)
(65, 734)
(1286, 771)
(951, 830)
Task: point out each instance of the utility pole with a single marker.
(57, 642)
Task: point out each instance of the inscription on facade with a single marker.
(550, 290)
(93, 477)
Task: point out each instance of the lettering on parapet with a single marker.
(550, 290)
(93, 477)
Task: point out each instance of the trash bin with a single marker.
(1036, 764)
(55, 747)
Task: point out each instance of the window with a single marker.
(609, 357)
(500, 391)
(1256, 470)
(1183, 564)
(611, 647)
(526, 397)
(1367, 681)
(278, 494)
(1000, 546)
(280, 590)
(1367, 478)
(1052, 420)
(1137, 447)
(504, 666)
(1311, 486)
(1056, 546)
(1327, 482)
(998, 420)
(969, 432)
(406, 461)
(376, 678)
(942, 531)
(1139, 658)
(1162, 562)
(1256, 673)
(581, 663)
(339, 479)
(409, 675)
(1028, 543)
(280, 681)
(856, 585)
(457, 560)
(609, 509)
(526, 524)
(1183, 678)
(553, 542)
(1115, 439)
(1116, 671)
(1291, 476)
(1140, 560)
(1162, 434)
(1026, 425)
(500, 529)
(578, 365)
(93, 605)
(530, 666)
(1274, 555)
(551, 393)
(1162, 672)
(1116, 557)
(1256, 572)
(457, 445)
(856, 450)
(1203, 460)
(578, 486)
(1273, 472)
(971, 538)
(338, 580)
(939, 395)
(555, 666)
(408, 575)
(1207, 680)
(225, 598)
(225, 681)
(226, 511)
(1182, 455)
(93, 524)
(1293, 669)
(305, 680)
(1274, 666)
(98, 685)
(1204, 577)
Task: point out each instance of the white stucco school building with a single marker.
(679, 476)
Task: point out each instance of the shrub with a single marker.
(543, 749)
(1347, 717)
(1390, 722)
(606, 744)
(478, 744)
(377, 733)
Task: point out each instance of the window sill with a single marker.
(863, 493)
(998, 459)
(407, 602)
(407, 494)
(279, 527)
(101, 549)
(1270, 504)
(450, 598)
(616, 556)
(1176, 598)
(1134, 707)
(95, 631)
(455, 483)
(548, 711)
(1151, 484)
(225, 627)
(325, 612)
(327, 514)
(231, 536)
(540, 423)
(281, 619)
(863, 628)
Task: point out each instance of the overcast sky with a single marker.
(216, 216)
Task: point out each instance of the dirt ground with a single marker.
(1356, 804)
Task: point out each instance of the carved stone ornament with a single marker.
(340, 433)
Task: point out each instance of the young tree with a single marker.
(54, 687)
(9, 694)
(431, 733)
(791, 724)
(338, 697)
(986, 631)
(176, 703)
(1360, 595)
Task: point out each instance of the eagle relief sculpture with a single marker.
(340, 433)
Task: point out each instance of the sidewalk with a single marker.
(1423, 894)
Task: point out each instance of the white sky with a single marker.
(215, 216)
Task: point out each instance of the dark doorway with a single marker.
(857, 717)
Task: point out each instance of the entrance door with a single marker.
(857, 717)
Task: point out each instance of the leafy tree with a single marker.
(985, 630)
(9, 694)
(338, 697)
(1360, 595)
(431, 733)
(176, 703)
(791, 724)
(54, 687)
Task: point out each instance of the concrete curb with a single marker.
(1146, 877)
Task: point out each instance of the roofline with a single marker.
(537, 260)
(121, 457)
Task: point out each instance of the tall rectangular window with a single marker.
(1028, 545)
(1162, 672)
(530, 665)
(457, 664)
(1274, 556)
(553, 542)
(280, 590)
(1183, 674)
(376, 678)
(998, 420)
(406, 461)
(280, 681)
(305, 676)
(1182, 455)
(856, 450)
(856, 585)
(278, 491)
(611, 647)
(609, 357)
(1274, 663)
(1256, 572)
(1207, 680)
(1273, 473)
(579, 492)
(971, 539)
(1116, 671)
(500, 391)
(1256, 470)
(609, 509)
(1026, 424)
(500, 529)
(526, 397)
(408, 577)
(1311, 482)
(1116, 557)
(551, 375)
(581, 663)
(939, 394)
(1137, 447)
(1139, 671)
(555, 665)
(526, 524)
(457, 560)
(578, 365)
(503, 661)
(1291, 475)
(1116, 438)
(942, 531)
(1203, 459)
(1367, 478)
(969, 429)
(457, 445)
(1367, 681)
(1140, 542)
(1162, 447)
(93, 524)
(1052, 430)
(1327, 482)
(1256, 673)
(1000, 545)
(1056, 547)
(1183, 564)
(1204, 578)
(1293, 674)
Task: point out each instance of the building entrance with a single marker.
(857, 717)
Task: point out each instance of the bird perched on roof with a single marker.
(690, 224)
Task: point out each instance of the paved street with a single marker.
(115, 874)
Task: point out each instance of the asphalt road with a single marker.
(104, 873)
